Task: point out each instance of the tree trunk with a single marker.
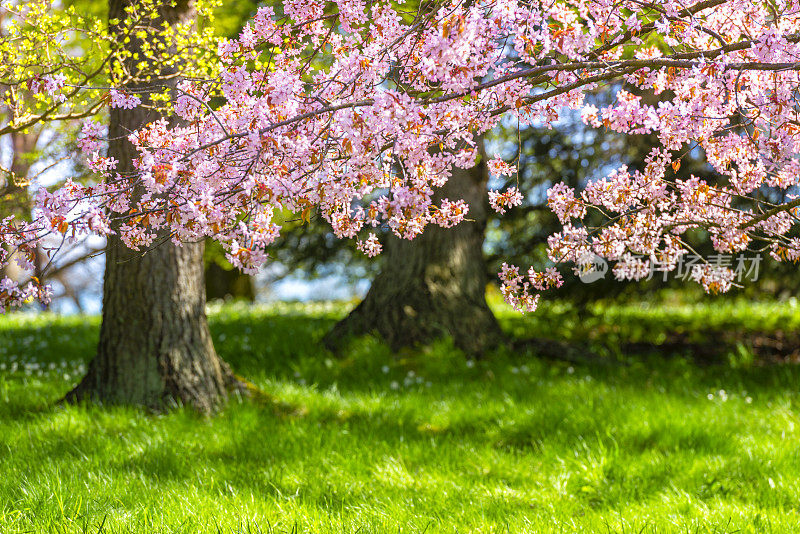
(224, 284)
(223, 281)
(155, 348)
(435, 285)
(14, 196)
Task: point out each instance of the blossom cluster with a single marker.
(509, 198)
(123, 99)
(12, 294)
(518, 290)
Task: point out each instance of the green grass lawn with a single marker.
(421, 441)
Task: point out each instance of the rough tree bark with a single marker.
(155, 347)
(435, 285)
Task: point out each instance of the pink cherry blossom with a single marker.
(370, 246)
(500, 202)
(123, 99)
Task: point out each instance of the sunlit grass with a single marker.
(422, 441)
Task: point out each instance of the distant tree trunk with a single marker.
(228, 283)
(224, 281)
(435, 285)
(155, 347)
(14, 197)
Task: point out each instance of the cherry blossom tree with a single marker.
(361, 112)
(155, 347)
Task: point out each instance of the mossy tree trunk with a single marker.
(155, 347)
(435, 285)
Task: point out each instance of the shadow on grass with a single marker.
(55, 342)
(334, 433)
(280, 347)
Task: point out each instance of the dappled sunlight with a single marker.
(375, 440)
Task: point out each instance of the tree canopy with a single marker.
(360, 111)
